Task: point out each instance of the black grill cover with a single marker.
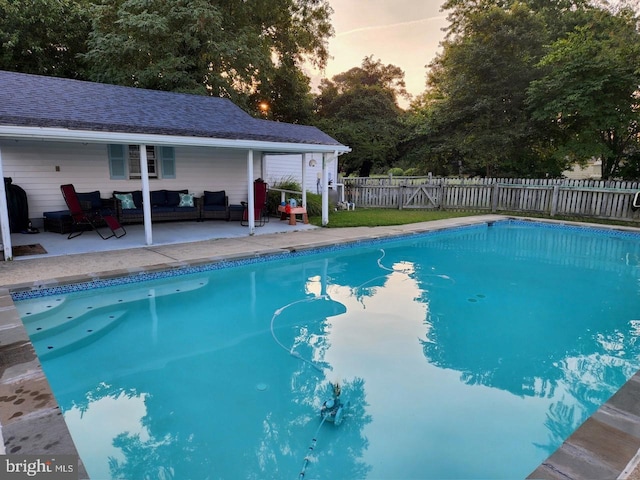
(17, 206)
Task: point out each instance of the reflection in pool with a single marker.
(463, 354)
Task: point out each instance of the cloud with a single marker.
(404, 33)
(390, 26)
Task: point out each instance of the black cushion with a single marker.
(158, 198)
(163, 209)
(185, 209)
(132, 211)
(58, 215)
(92, 198)
(173, 197)
(214, 208)
(215, 198)
(137, 198)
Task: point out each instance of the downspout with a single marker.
(304, 176)
(4, 217)
(251, 216)
(146, 197)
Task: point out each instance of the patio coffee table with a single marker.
(293, 211)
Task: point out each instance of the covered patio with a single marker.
(27, 246)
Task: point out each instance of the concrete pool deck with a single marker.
(605, 446)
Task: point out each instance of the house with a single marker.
(111, 138)
(591, 171)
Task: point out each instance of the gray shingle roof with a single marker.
(39, 101)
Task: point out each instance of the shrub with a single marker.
(314, 201)
(396, 172)
(314, 204)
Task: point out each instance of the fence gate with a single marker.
(420, 196)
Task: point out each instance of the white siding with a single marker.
(283, 167)
(32, 166)
(200, 169)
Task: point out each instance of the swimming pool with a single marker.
(447, 347)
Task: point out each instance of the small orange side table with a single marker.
(292, 214)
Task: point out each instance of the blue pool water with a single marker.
(470, 353)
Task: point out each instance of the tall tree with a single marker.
(157, 44)
(589, 93)
(287, 97)
(359, 108)
(423, 147)
(234, 49)
(43, 37)
(462, 13)
(492, 105)
(480, 80)
(372, 73)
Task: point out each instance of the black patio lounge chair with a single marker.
(88, 216)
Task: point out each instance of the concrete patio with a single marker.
(165, 233)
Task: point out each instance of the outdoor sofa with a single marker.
(166, 205)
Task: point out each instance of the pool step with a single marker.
(40, 306)
(52, 313)
(60, 324)
(80, 334)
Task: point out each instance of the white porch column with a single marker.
(325, 191)
(146, 197)
(250, 196)
(304, 176)
(4, 217)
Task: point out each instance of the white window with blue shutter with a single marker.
(168, 162)
(117, 162)
(124, 162)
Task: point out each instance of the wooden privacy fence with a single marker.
(588, 198)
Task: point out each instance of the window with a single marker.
(124, 162)
(134, 162)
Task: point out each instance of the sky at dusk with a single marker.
(405, 33)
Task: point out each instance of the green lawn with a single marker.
(377, 217)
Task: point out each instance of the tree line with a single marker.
(520, 88)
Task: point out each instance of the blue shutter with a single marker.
(168, 162)
(117, 162)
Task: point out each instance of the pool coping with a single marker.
(606, 445)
